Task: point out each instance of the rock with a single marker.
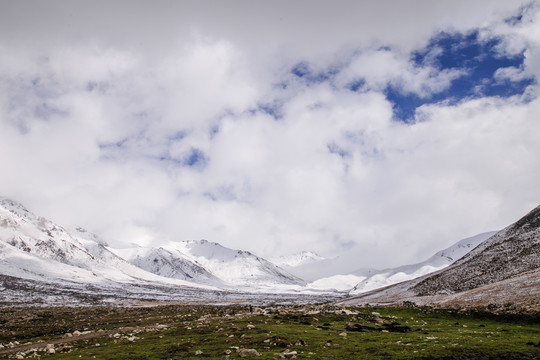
(76, 333)
(346, 312)
(250, 326)
(248, 352)
(287, 354)
(344, 334)
(198, 352)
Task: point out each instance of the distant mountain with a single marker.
(35, 248)
(169, 263)
(301, 258)
(316, 267)
(208, 262)
(505, 268)
(438, 261)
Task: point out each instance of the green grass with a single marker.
(398, 333)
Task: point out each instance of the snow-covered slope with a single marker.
(438, 261)
(35, 248)
(510, 257)
(313, 270)
(235, 267)
(170, 263)
(301, 258)
(208, 262)
(510, 252)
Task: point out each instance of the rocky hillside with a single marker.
(440, 260)
(505, 268)
(510, 252)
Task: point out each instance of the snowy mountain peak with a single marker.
(301, 258)
(16, 208)
(235, 267)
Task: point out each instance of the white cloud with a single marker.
(382, 67)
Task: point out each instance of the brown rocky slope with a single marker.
(504, 269)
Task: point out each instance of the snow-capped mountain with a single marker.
(35, 248)
(438, 261)
(293, 260)
(208, 262)
(168, 263)
(320, 268)
(504, 269)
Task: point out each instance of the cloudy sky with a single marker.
(380, 131)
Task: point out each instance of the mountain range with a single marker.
(45, 261)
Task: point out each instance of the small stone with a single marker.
(248, 352)
(198, 352)
(250, 326)
(344, 334)
(289, 354)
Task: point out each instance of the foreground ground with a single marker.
(316, 332)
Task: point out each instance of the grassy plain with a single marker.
(302, 332)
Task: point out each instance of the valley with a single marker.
(66, 294)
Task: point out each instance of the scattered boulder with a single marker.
(287, 354)
(248, 353)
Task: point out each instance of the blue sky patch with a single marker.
(305, 72)
(334, 148)
(195, 158)
(478, 57)
(273, 109)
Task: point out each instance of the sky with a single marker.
(377, 131)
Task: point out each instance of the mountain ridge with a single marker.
(495, 266)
